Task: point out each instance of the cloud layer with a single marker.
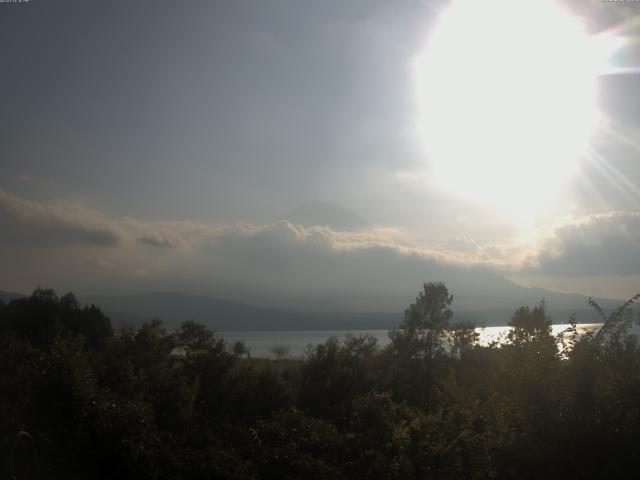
(600, 244)
(68, 246)
(29, 222)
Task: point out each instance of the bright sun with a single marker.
(507, 102)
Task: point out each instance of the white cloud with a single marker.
(29, 222)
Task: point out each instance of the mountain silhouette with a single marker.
(225, 315)
(6, 297)
(491, 306)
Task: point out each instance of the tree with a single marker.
(44, 316)
(280, 352)
(334, 374)
(421, 332)
(530, 324)
(417, 345)
(196, 339)
(616, 326)
(239, 349)
(463, 337)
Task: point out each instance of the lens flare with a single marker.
(506, 98)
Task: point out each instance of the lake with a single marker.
(296, 342)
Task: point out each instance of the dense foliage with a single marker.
(147, 403)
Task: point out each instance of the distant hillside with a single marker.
(224, 315)
(492, 308)
(326, 214)
(479, 294)
(6, 297)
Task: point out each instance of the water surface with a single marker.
(296, 342)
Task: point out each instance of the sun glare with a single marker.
(506, 101)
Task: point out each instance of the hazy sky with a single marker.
(155, 145)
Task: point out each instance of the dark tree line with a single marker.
(147, 403)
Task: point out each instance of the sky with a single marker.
(161, 145)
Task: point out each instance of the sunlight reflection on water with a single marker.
(296, 342)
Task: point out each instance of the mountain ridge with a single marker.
(228, 315)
